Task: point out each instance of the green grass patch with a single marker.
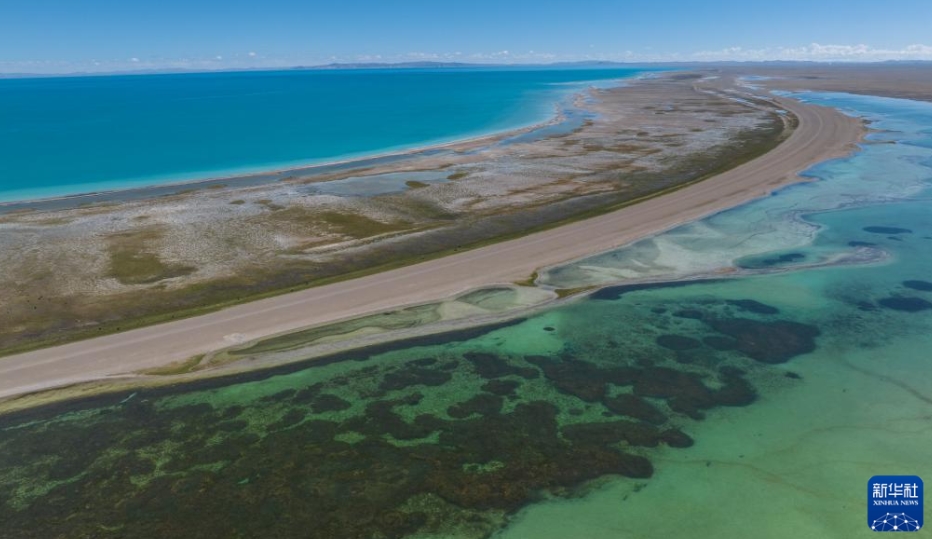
(269, 204)
(132, 261)
(132, 267)
(530, 281)
(567, 292)
(418, 209)
(348, 224)
(358, 226)
(178, 367)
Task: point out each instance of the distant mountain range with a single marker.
(403, 65)
(452, 65)
(334, 66)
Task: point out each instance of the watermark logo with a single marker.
(894, 503)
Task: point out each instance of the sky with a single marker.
(60, 36)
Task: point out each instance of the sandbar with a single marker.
(821, 134)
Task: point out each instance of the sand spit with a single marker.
(821, 134)
(134, 260)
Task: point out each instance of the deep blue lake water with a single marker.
(64, 136)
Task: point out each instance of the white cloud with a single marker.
(813, 52)
(425, 56)
(816, 52)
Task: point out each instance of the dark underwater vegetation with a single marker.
(447, 436)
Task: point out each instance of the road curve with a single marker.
(823, 133)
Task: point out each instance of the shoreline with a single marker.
(273, 173)
(270, 173)
(822, 134)
(250, 368)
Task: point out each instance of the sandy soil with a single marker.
(821, 134)
(907, 81)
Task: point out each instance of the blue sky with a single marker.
(105, 35)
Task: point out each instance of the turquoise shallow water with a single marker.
(753, 406)
(64, 136)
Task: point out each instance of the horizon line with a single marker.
(441, 65)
